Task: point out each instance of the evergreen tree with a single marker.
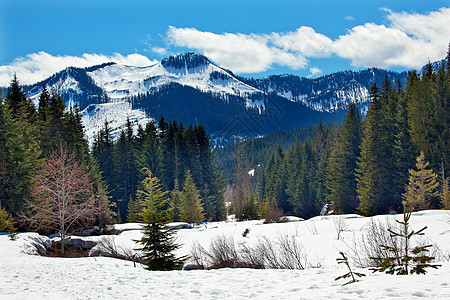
(18, 102)
(422, 187)
(340, 177)
(191, 207)
(24, 151)
(158, 242)
(367, 173)
(275, 181)
(376, 172)
(5, 156)
(175, 203)
(134, 211)
(405, 260)
(405, 150)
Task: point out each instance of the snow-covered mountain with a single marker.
(192, 70)
(329, 93)
(191, 89)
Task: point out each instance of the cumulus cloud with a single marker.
(39, 66)
(407, 40)
(304, 41)
(238, 52)
(410, 40)
(314, 71)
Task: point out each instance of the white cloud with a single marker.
(239, 52)
(314, 72)
(159, 50)
(39, 66)
(409, 40)
(349, 18)
(305, 41)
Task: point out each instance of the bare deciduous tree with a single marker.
(64, 197)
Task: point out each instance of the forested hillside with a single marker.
(399, 152)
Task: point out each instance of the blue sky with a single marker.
(252, 38)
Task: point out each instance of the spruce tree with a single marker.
(24, 150)
(422, 186)
(340, 177)
(367, 173)
(158, 242)
(191, 206)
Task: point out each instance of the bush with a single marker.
(374, 234)
(223, 252)
(274, 215)
(107, 247)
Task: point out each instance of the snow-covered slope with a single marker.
(328, 93)
(25, 276)
(95, 115)
(193, 70)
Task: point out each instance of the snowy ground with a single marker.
(24, 276)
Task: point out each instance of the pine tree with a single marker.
(423, 185)
(191, 207)
(158, 242)
(340, 177)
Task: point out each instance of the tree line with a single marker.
(398, 152)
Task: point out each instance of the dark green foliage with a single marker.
(158, 242)
(406, 260)
(168, 150)
(340, 176)
(376, 165)
(344, 260)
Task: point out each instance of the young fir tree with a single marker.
(191, 206)
(405, 260)
(344, 260)
(158, 242)
(422, 186)
(175, 202)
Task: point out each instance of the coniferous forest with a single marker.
(398, 151)
(366, 165)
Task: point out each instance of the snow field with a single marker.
(25, 276)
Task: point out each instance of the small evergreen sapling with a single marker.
(344, 260)
(158, 241)
(405, 261)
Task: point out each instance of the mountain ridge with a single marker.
(174, 87)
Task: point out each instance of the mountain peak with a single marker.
(185, 61)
